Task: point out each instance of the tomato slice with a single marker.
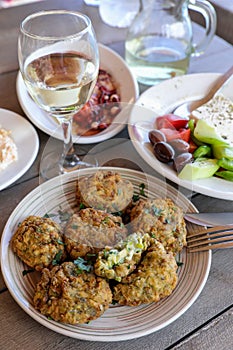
(170, 121)
(172, 134)
(185, 134)
(192, 146)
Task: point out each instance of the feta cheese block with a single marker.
(218, 112)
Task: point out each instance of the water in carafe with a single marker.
(159, 41)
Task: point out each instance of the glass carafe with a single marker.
(159, 42)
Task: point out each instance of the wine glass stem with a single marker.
(70, 160)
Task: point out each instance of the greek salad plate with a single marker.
(165, 98)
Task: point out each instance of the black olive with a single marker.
(181, 160)
(156, 136)
(179, 145)
(164, 152)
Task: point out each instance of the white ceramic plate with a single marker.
(164, 98)
(27, 142)
(118, 322)
(127, 86)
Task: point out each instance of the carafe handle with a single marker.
(209, 14)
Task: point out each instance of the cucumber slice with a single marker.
(205, 132)
(222, 151)
(200, 169)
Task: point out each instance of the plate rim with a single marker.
(164, 169)
(83, 336)
(105, 134)
(35, 149)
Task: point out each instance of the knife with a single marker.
(210, 219)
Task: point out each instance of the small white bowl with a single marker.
(114, 64)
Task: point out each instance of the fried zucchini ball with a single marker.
(105, 190)
(121, 260)
(71, 296)
(154, 279)
(163, 220)
(38, 242)
(89, 231)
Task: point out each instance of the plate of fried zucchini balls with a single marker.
(100, 254)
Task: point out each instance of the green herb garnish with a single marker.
(156, 210)
(25, 272)
(64, 216)
(59, 241)
(136, 197)
(74, 227)
(47, 216)
(57, 258)
(82, 265)
(142, 189)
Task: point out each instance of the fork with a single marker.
(187, 107)
(212, 238)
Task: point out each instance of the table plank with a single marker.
(214, 335)
(210, 204)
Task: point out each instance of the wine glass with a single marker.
(59, 62)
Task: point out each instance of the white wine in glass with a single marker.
(59, 62)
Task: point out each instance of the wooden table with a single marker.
(208, 323)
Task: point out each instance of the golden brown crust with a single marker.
(91, 230)
(105, 190)
(163, 220)
(67, 295)
(38, 241)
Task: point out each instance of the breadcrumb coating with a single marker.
(91, 230)
(163, 220)
(69, 295)
(38, 242)
(105, 190)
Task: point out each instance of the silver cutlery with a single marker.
(217, 88)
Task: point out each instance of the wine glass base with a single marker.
(51, 163)
(73, 162)
(49, 166)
